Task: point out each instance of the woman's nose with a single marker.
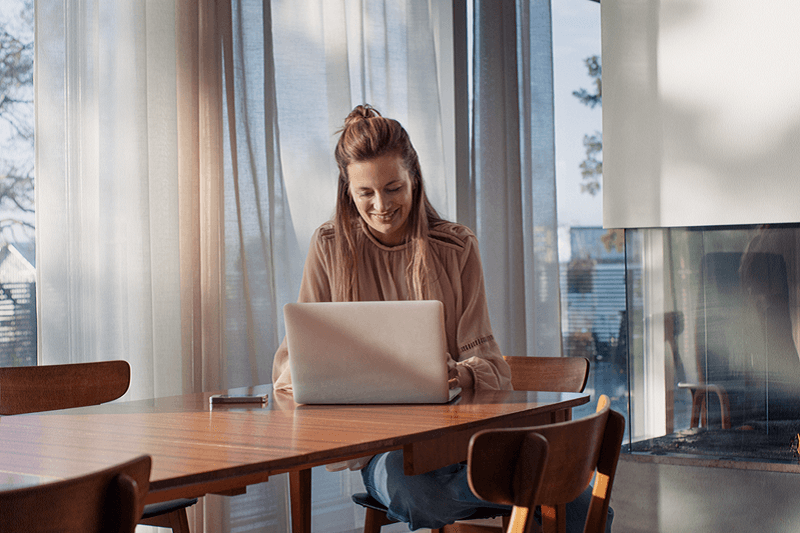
(381, 203)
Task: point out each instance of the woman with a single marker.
(386, 242)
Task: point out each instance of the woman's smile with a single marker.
(387, 217)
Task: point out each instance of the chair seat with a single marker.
(161, 508)
(365, 500)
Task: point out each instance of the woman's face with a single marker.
(381, 188)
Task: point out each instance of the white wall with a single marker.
(701, 112)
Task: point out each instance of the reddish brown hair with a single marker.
(365, 136)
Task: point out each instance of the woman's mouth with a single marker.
(385, 218)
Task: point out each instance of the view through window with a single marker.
(592, 260)
(17, 242)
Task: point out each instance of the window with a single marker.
(592, 268)
(17, 257)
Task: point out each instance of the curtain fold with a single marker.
(108, 277)
(513, 173)
(199, 35)
(538, 177)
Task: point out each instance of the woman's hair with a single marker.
(365, 136)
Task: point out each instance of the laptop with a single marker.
(368, 352)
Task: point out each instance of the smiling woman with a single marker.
(380, 153)
(386, 242)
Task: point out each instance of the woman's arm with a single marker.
(479, 358)
(314, 287)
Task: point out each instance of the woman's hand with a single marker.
(458, 375)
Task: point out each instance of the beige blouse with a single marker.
(457, 281)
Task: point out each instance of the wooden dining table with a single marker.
(199, 449)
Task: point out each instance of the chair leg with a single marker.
(177, 521)
(696, 408)
(554, 518)
(375, 520)
(724, 406)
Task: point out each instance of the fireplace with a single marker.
(713, 328)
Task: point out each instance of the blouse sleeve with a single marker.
(477, 348)
(314, 287)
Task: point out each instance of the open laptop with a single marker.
(368, 352)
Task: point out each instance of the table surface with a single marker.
(198, 449)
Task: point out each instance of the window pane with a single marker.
(17, 274)
(730, 326)
(592, 269)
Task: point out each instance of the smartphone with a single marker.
(219, 399)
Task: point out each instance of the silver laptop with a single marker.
(368, 352)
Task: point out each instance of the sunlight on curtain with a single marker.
(298, 68)
(514, 173)
(106, 194)
(186, 277)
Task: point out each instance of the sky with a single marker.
(576, 36)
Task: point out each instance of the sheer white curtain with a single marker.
(513, 173)
(106, 189)
(298, 68)
(174, 216)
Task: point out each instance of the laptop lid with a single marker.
(367, 352)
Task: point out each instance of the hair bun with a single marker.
(359, 113)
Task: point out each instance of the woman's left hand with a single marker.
(458, 375)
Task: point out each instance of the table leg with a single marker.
(300, 498)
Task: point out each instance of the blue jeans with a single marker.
(443, 496)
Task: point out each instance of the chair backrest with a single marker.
(549, 466)
(110, 501)
(31, 389)
(553, 374)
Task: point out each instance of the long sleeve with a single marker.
(457, 281)
(314, 287)
(477, 348)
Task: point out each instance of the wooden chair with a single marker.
(552, 374)
(108, 501)
(673, 326)
(549, 466)
(549, 374)
(32, 389)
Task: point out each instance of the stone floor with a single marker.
(773, 442)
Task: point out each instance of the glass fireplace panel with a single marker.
(713, 333)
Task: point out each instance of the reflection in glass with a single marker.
(730, 318)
